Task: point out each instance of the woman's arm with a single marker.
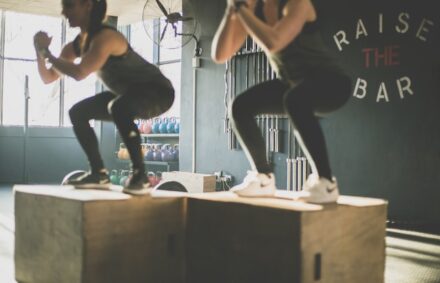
(101, 47)
(275, 38)
(229, 37)
(49, 74)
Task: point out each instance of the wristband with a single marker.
(44, 52)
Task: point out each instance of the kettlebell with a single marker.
(123, 152)
(143, 148)
(149, 155)
(140, 126)
(124, 177)
(151, 178)
(158, 177)
(177, 126)
(171, 125)
(163, 126)
(114, 178)
(176, 152)
(147, 126)
(156, 126)
(157, 154)
(166, 153)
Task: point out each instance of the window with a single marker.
(19, 55)
(19, 62)
(170, 54)
(172, 72)
(20, 29)
(140, 41)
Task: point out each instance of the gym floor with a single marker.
(411, 257)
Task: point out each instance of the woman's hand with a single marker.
(42, 41)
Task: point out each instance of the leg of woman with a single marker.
(122, 110)
(319, 95)
(307, 129)
(138, 104)
(94, 107)
(265, 98)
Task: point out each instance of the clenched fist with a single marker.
(42, 40)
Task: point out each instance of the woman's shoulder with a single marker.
(109, 33)
(106, 29)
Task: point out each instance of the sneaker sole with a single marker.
(93, 186)
(322, 202)
(139, 192)
(255, 195)
(319, 201)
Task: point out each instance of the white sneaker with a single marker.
(256, 185)
(320, 190)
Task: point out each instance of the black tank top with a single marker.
(120, 73)
(306, 54)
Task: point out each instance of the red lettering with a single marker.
(388, 56)
(393, 54)
(366, 52)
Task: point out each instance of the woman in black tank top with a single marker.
(310, 83)
(136, 88)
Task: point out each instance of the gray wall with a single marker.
(379, 149)
(50, 153)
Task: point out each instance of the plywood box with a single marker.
(232, 239)
(83, 236)
(72, 236)
(193, 182)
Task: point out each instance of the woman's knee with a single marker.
(240, 108)
(116, 107)
(76, 114)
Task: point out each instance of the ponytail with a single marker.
(97, 17)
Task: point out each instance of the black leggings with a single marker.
(107, 106)
(317, 95)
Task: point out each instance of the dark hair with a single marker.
(97, 16)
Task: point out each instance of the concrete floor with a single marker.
(412, 257)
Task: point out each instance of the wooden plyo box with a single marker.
(193, 182)
(84, 236)
(64, 235)
(232, 239)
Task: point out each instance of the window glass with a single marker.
(44, 99)
(20, 30)
(172, 72)
(140, 42)
(44, 102)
